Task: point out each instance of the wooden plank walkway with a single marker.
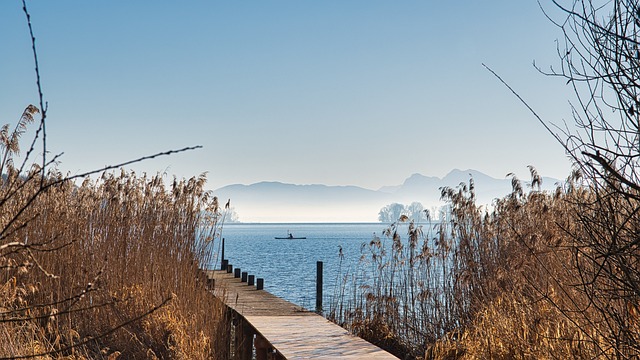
(294, 332)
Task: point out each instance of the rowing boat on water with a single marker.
(289, 238)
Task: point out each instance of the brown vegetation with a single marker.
(540, 275)
(516, 282)
(106, 268)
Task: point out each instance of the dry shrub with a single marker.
(542, 301)
(112, 264)
(511, 327)
(524, 280)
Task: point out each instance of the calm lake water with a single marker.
(289, 266)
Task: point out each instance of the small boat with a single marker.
(290, 237)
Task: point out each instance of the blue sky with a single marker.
(336, 92)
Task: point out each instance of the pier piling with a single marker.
(223, 265)
(319, 287)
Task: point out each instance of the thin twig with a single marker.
(43, 105)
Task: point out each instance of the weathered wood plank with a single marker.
(246, 300)
(314, 337)
(295, 333)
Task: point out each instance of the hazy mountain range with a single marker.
(281, 202)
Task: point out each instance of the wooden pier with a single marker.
(278, 329)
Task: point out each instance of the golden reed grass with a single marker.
(513, 282)
(109, 268)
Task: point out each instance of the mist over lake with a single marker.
(272, 202)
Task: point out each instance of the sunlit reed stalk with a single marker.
(80, 262)
(500, 282)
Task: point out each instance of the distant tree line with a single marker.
(232, 215)
(393, 212)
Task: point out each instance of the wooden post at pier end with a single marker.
(319, 287)
(223, 265)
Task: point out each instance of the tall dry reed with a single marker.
(512, 282)
(106, 268)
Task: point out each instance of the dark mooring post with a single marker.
(223, 265)
(319, 287)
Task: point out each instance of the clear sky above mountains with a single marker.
(335, 92)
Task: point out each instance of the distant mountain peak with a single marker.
(419, 179)
(272, 199)
(467, 172)
(456, 176)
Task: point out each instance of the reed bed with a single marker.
(107, 268)
(521, 280)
